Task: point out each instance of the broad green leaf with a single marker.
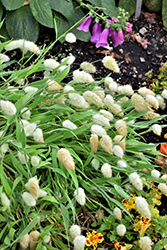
(128, 5)
(110, 8)
(5, 184)
(42, 12)
(65, 7)
(164, 11)
(21, 24)
(18, 166)
(51, 199)
(12, 5)
(1, 11)
(65, 215)
(97, 3)
(121, 192)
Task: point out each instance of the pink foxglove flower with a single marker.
(74, 231)
(103, 40)
(116, 38)
(142, 207)
(80, 196)
(84, 26)
(145, 243)
(8, 107)
(106, 170)
(121, 230)
(96, 32)
(129, 27)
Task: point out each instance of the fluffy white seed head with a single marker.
(120, 140)
(70, 37)
(8, 107)
(136, 181)
(121, 230)
(4, 58)
(29, 199)
(4, 199)
(68, 88)
(74, 231)
(93, 98)
(81, 76)
(30, 128)
(79, 242)
(94, 142)
(51, 63)
(34, 237)
(33, 187)
(145, 91)
(95, 164)
(80, 196)
(117, 212)
(69, 124)
(99, 91)
(106, 143)
(156, 128)
(78, 101)
(41, 193)
(164, 177)
(15, 44)
(110, 63)
(152, 101)
(163, 188)
(35, 159)
(70, 60)
(22, 157)
(38, 135)
(4, 148)
(53, 85)
(66, 158)
(118, 151)
(98, 130)
(150, 115)
(161, 101)
(164, 93)
(24, 242)
(145, 243)
(121, 127)
(88, 67)
(107, 114)
(30, 89)
(46, 239)
(109, 101)
(32, 47)
(25, 113)
(106, 170)
(121, 164)
(142, 207)
(155, 174)
(101, 120)
(139, 103)
(109, 83)
(127, 89)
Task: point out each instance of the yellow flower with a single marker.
(94, 238)
(129, 204)
(142, 225)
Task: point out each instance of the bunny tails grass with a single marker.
(110, 63)
(65, 158)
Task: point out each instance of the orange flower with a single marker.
(142, 225)
(119, 247)
(129, 204)
(94, 238)
(163, 148)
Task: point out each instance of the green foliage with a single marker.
(128, 5)
(160, 84)
(164, 11)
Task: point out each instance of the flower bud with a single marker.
(80, 196)
(106, 170)
(35, 159)
(79, 242)
(136, 181)
(98, 130)
(155, 174)
(121, 127)
(4, 199)
(118, 151)
(24, 242)
(121, 230)
(106, 143)
(94, 142)
(156, 128)
(8, 107)
(38, 135)
(74, 231)
(145, 243)
(33, 187)
(117, 212)
(66, 158)
(69, 124)
(95, 164)
(142, 207)
(29, 199)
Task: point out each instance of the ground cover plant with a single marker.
(74, 171)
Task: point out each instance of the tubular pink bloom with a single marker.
(121, 35)
(115, 38)
(114, 19)
(96, 32)
(103, 39)
(129, 27)
(85, 24)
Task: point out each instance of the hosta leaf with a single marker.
(109, 8)
(164, 16)
(42, 12)
(65, 7)
(128, 5)
(21, 24)
(12, 5)
(1, 11)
